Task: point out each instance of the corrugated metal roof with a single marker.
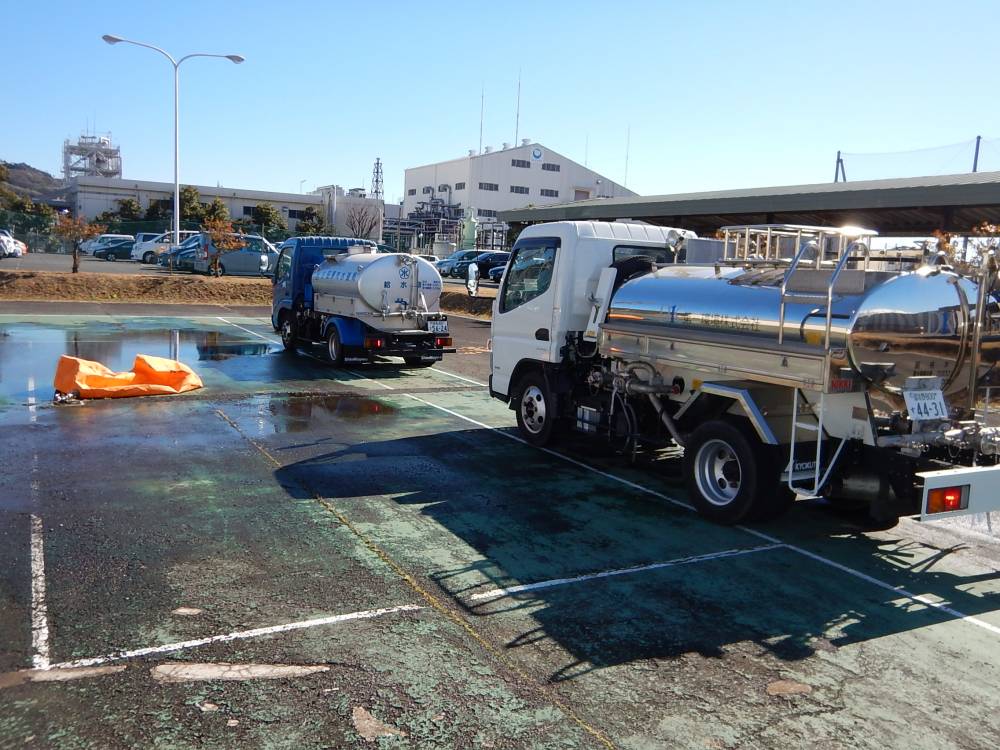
(961, 190)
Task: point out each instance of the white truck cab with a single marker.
(549, 286)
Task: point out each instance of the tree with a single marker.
(76, 230)
(361, 221)
(191, 208)
(268, 217)
(223, 238)
(311, 222)
(158, 210)
(129, 209)
(216, 211)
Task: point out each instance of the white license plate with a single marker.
(926, 405)
(437, 326)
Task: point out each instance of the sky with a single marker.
(706, 96)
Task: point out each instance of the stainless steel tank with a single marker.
(379, 285)
(893, 326)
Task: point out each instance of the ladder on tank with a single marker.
(819, 477)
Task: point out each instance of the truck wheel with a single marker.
(334, 349)
(419, 362)
(720, 470)
(536, 409)
(288, 334)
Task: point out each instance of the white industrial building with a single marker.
(91, 196)
(508, 178)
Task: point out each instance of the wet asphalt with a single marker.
(458, 588)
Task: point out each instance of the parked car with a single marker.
(148, 250)
(485, 261)
(91, 246)
(8, 248)
(256, 258)
(170, 255)
(432, 258)
(444, 266)
(120, 250)
(496, 273)
(184, 260)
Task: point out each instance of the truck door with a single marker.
(522, 322)
(281, 292)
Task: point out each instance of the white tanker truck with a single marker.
(359, 303)
(792, 363)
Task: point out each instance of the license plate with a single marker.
(926, 405)
(437, 326)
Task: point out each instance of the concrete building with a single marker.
(506, 179)
(91, 196)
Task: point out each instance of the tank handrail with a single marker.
(807, 245)
(833, 282)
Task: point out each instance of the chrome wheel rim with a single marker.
(286, 333)
(533, 409)
(718, 472)
(332, 347)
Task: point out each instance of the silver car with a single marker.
(256, 258)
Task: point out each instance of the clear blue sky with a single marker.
(717, 94)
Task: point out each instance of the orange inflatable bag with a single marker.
(150, 376)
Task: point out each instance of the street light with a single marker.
(111, 39)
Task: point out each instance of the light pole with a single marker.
(110, 39)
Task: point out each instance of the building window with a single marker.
(442, 188)
(411, 191)
(550, 193)
(550, 167)
(519, 189)
(248, 210)
(485, 212)
(459, 186)
(491, 186)
(522, 163)
(294, 213)
(428, 189)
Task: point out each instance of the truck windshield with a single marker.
(530, 272)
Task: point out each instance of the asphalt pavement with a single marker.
(301, 556)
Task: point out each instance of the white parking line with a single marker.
(238, 635)
(252, 333)
(898, 590)
(32, 409)
(39, 610)
(460, 377)
(495, 593)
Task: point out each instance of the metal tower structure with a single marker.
(377, 193)
(91, 156)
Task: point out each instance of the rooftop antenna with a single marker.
(628, 142)
(482, 109)
(377, 193)
(517, 111)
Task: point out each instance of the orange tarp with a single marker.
(150, 376)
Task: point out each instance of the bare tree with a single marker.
(361, 220)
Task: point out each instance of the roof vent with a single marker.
(488, 150)
(506, 146)
(472, 152)
(525, 141)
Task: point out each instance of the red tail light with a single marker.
(442, 341)
(374, 343)
(945, 499)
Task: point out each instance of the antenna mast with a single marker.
(377, 180)
(517, 111)
(482, 109)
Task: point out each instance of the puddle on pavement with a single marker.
(299, 414)
(29, 352)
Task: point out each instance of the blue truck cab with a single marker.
(295, 316)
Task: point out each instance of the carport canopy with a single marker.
(909, 206)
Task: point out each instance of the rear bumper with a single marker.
(979, 487)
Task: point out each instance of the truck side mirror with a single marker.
(472, 281)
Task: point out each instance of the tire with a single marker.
(536, 408)
(334, 349)
(419, 362)
(109, 257)
(721, 472)
(149, 259)
(289, 336)
(221, 270)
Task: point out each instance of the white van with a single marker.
(148, 249)
(90, 246)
